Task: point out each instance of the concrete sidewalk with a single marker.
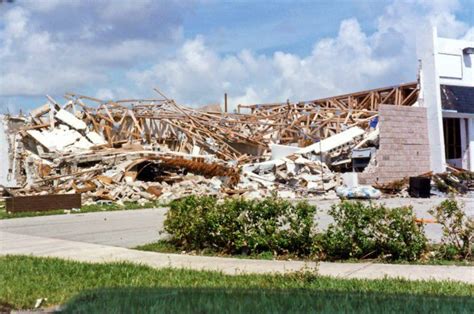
(17, 244)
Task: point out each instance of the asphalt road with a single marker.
(130, 228)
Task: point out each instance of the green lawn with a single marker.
(25, 279)
(223, 300)
(84, 209)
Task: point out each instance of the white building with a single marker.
(447, 91)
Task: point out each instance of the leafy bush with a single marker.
(361, 231)
(458, 230)
(241, 226)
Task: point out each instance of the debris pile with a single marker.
(457, 181)
(155, 149)
(145, 150)
(453, 181)
(289, 177)
(58, 153)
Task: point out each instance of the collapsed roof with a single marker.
(152, 146)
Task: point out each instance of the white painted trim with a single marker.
(471, 144)
(464, 141)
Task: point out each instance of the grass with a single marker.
(165, 246)
(25, 279)
(161, 246)
(84, 209)
(215, 300)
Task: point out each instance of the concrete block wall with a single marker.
(404, 148)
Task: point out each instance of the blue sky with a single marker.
(256, 51)
(293, 27)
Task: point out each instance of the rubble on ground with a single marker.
(156, 150)
(290, 176)
(453, 181)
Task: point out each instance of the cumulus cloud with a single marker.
(353, 60)
(198, 75)
(49, 47)
(125, 48)
(105, 94)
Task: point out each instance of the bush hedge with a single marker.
(458, 230)
(238, 226)
(361, 231)
(279, 227)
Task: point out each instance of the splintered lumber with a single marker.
(225, 134)
(204, 168)
(328, 116)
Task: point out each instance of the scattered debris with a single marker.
(142, 150)
(294, 174)
(40, 302)
(454, 181)
(394, 187)
(358, 192)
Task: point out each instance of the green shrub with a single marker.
(361, 231)
(458, 230)
(401, 236)
(241, 226)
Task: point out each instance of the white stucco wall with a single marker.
(456, 68)
(451, 60)
(442, 62)
(430, 97)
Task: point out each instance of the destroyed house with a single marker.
(149, 149)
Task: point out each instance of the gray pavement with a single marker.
(130, 228)
(19, 244)
(420, 207)
(127, 228)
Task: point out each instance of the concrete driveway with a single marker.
(127, 228)
(130, 228)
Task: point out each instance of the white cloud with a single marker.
(98, 47)
(353, 60)
(15, 23)
(469, 35)
(198, 75)
(36, 59)
(105, 94)
(47, 5)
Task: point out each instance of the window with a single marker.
(452, 138)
